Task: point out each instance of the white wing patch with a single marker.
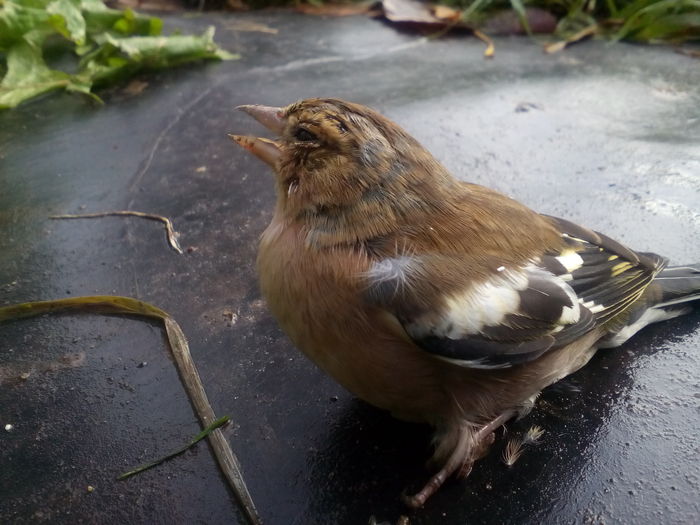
(570, 260)
(592, 306)
(487, 304)
(570, 314)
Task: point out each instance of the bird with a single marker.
(441, 301)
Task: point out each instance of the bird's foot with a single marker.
(470, 445)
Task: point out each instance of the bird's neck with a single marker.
(382, 210)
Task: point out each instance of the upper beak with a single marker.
(265, 149)
(270, 117)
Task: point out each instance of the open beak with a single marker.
(270, 117)
(265, 149)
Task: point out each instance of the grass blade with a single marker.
(204, 433)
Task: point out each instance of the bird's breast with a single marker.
(316, 296)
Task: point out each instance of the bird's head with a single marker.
(342, 167)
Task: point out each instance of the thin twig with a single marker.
(555, 47)
(204, 433)
(172, 234)
(113, 304)
(490, 48)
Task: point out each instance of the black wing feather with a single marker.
(607, 278)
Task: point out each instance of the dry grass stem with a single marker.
(172, 234)
(490, 48)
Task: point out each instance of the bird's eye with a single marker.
(304, 135)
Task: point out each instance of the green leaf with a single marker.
(108, 45)
(204, 433)
(16, 20)
(101, 20)
(474, 9)
(643, 13)
(67, 19)
(118, 57)
(28, 76)
(670, 27)
(519, 8)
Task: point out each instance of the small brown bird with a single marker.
(441, 301)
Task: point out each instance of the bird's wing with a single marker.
(518, 313)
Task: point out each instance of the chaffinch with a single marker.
(441, 301)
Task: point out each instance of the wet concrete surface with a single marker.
(603, 135)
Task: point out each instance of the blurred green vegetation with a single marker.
(96, 45)
(653, 21)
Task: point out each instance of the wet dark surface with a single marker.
(609, 138)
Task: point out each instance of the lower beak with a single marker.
(265, 149)
(270, 117)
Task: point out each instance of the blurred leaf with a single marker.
(108, 45)
(67, 19)
(100, 19)
(670, 27)
(16, 20)
(520, 9)
(662, 20)
(28, 76)
(573, 23)
(120, 57)
(471, 13)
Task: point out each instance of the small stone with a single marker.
(90, 488)
(334, 398)
(24, 376)
(9, 428)
(142, 364)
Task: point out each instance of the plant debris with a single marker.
(106, 45)
(496, 22)
(204, 433)
(569, 21)
(442, 18)
(170, 231)
(533, 435)
(555, 47)
(490, 49)
(512, 451)
(112, 304)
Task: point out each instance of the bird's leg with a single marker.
(469, 447)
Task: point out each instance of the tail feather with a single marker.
(672, 287)
(678, 284)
